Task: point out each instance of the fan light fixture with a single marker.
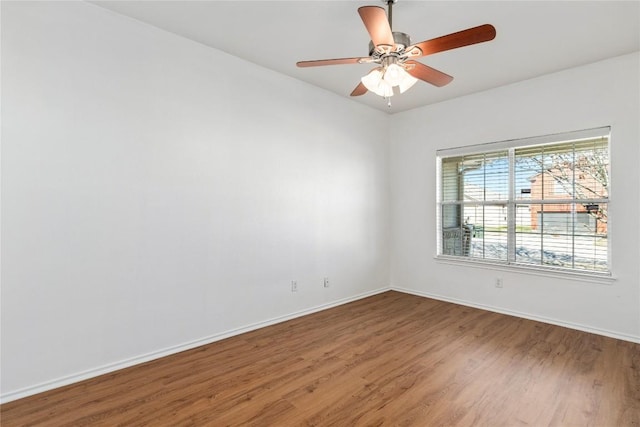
(382, 80)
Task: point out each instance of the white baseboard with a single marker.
(543, 319)
(105, 369)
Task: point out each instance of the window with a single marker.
(533, 202)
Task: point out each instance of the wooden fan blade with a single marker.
(375, 20)
(467, 37)
(428, 74)
(338, 61)
(359, 90)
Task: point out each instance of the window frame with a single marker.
(512, 202)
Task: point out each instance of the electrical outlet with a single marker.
(498, 282)
(326, 282)
(294, 286)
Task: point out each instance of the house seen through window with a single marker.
(536, 202)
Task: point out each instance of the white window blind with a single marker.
(536, 202)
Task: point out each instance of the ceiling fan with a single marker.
(394, 53)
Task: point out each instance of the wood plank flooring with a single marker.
(391, 359)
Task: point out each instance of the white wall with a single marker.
(156, 192)
(599, 94)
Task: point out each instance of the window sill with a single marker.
(601, 278)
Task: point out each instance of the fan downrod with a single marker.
(389, 4)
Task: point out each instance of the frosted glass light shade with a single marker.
(407, 81)
(394, 74)
(385, 89)
(372, 80)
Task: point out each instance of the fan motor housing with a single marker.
(399, 38)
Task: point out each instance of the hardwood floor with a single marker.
(391, 359)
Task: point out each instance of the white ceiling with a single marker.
(533, 38)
